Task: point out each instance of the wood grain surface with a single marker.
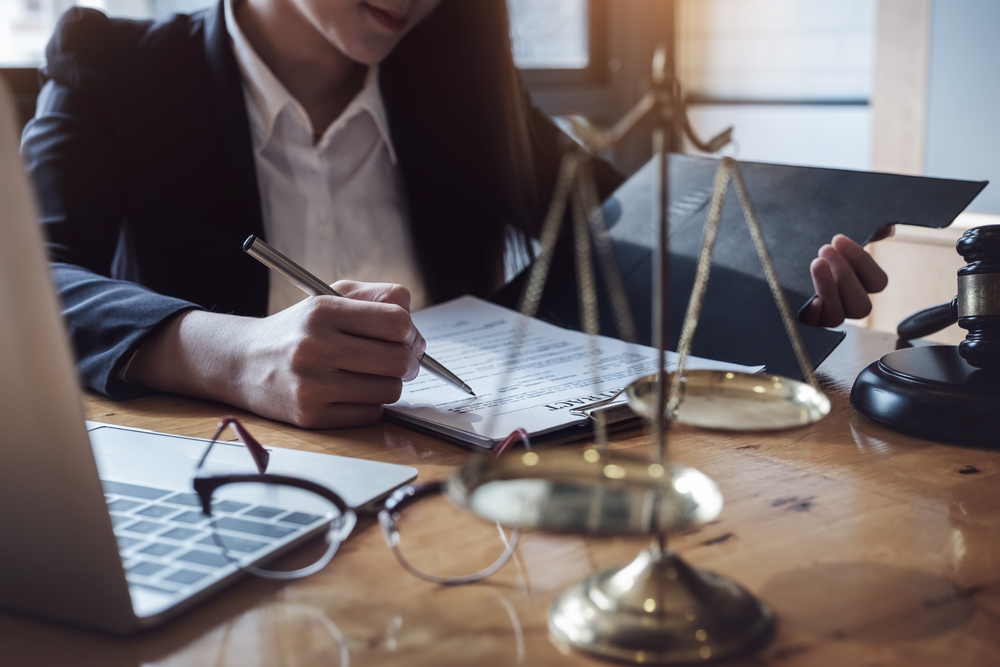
(874, 548)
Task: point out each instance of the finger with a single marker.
(371, 319)
(418, 345)
(853, 296)
(378, 292)
(367, 319)
(810, 315)
(885, 233)
(339, 415)
(831, 310)
(389, 293)
(869, 273)
(339, 386)
(355, 354)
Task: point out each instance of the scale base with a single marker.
(931, 392)
(659, 610)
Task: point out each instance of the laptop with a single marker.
(100, 527)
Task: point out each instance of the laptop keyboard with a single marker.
(167, 544)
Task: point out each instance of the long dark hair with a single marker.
(478, 162)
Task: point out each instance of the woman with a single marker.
(383, 140)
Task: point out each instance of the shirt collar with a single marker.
(270, 96)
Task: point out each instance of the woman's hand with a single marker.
(326, 362)
(843, 275)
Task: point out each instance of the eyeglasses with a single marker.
(287, 511)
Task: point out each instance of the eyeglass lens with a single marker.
(419, 532)
(248, 517)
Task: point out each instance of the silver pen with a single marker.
(313, 286)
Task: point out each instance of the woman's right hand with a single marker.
(326, 362)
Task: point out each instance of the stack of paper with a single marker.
(534, 387)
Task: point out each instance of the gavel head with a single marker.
(978, 300)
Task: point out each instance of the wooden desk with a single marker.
(874, 549)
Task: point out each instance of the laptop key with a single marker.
(204, 558)
(185, 576)
(126, 542)
(229, 506)
(145, 568)
(189, 499)
(233, 543)
(134, 490)
(190, 517)
(144, 527)
(181, 534)
(123, 505)
(157, 511)
(118, 519)
(300, 518)
(263, 512)
(252, 527)
(159, 549)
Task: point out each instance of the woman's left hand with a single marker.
(843, 275)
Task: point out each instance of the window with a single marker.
(559, 41)
(794, 77)
(553, 34)
(25, 26)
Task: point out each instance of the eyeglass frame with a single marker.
(386, 511)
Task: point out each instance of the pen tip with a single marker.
(468, 389)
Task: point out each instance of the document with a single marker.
(526, 373)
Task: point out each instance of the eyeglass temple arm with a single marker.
(508, 442)
(257, 451)
(407, 495)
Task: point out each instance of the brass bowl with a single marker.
(584, 493)
(732, 401)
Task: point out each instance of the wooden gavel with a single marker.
(977, 306)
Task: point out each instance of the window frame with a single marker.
(23, 87)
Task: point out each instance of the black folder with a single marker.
(799, 209)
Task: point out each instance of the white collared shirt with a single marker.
(336, 206)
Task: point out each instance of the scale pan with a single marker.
(731, 401)
(585, 493)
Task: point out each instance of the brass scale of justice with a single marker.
(656, 609)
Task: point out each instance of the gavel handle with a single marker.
(929, 320)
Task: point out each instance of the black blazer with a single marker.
(141, 154)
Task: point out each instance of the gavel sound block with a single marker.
(943, 392)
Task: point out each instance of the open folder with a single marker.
(799, 210)
(526, 374)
